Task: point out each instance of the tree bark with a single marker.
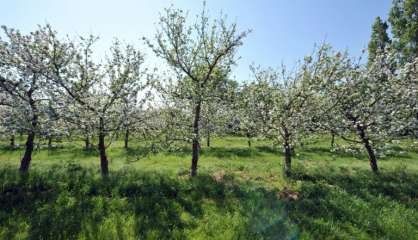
(208, 138)
(126, 138)
(369, 148)
(50, 141)
(87, 143)
(249, 140)
(153, 148)
(415, 134)
(287, 154)
(332, 140)
(27, 157)
(12, 141)
(104, 165)
(196, 138)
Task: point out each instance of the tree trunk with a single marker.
(102, 151)
(153, 148)
(287, 154)
(87, 143)
(332, 140)
(416, 129)
(167, 140)
(208, 138)
(287, 160)
(12, 141)
(249, 140)
(195, 144)
(126, 138)
(27, 157)
(50, 141)
(372, 156)
(369, 148)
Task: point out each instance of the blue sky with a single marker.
(283, 31)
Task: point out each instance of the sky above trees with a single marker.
(283, 31)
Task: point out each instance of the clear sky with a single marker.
(283, 30)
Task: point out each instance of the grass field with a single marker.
(240, 193)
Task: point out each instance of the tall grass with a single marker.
(237, 195)
(75, 203)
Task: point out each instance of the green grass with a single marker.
(236, 195)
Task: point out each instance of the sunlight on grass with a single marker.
(236, 196)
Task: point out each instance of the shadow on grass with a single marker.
(75, 203)
(389, 153)
(268, 149)
(328, 152)
(218, 152)
(343, 205)
(221, 152)
(8, 149)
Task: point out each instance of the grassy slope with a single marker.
(235, 196)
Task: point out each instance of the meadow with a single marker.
(239, 193)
